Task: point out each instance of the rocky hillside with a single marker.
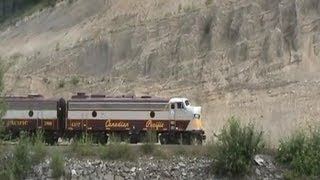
(255, 59)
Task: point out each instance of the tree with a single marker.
(2, 102)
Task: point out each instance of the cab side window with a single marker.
(180, 105)
(172, 106)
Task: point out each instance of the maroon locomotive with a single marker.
(173, 119)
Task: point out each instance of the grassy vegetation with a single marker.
(117, 151)
(12, 9)
(57, 165)
(61, 83)
(300, 153)
(2, 103)
(148, 146)
(75, 80)
(46, 80)
(39, 150)
(26, 153)
(22, 161)
(83, 145)
(208, 2)
(236, 148)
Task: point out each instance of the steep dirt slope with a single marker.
(256, 59)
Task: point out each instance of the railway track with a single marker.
(65, 143)
(169, 150)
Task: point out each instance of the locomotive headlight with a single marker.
(197, 124)
(197, 116)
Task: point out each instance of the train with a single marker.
(173, 120)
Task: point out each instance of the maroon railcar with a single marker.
(34, 112)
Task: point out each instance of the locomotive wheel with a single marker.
(50, 138)
(100, 138)
(134, 137)
(195, 140)
(163, 139)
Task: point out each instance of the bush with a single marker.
(57, 165)
(161, 154)
(38, 148)
(236, 148)
(61, 84)
(148, 146)
(75, 80)
(5, 166)
(301, 153)
(21, 163)
(116, 151)
(83, 146)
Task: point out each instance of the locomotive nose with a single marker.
(197, 110)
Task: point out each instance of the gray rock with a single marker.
(133, 169)
(73, 172)
(258, 172)
(167, 174)
(146, 168)
(278, 176)
(258, 160)
(182, 164)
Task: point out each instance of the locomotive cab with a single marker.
(185, 120)
(181, 108)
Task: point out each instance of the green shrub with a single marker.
(39, 149)
(148, 145)
(21, 162)
(83, 145)
(5, 166)
(301, 153)
(75, 80)
(160, 154)
(46, 80)
(115, 151)
(208, 2)
(61, 84)
(57, 165)
(180, 151)
(147, 148)
(236, 148)
(114, 139)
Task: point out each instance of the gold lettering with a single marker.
(118, 124)
(17, 123)
(47, 123)
(76, 124)
(156, 124)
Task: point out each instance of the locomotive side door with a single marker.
(172, 116)
(179, 111)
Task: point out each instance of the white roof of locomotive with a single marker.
(177, 99)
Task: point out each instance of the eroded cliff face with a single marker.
(256, 59)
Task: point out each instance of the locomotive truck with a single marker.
(174, 120)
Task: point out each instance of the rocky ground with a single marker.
(177, 167)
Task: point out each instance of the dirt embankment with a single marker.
(257, 60)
